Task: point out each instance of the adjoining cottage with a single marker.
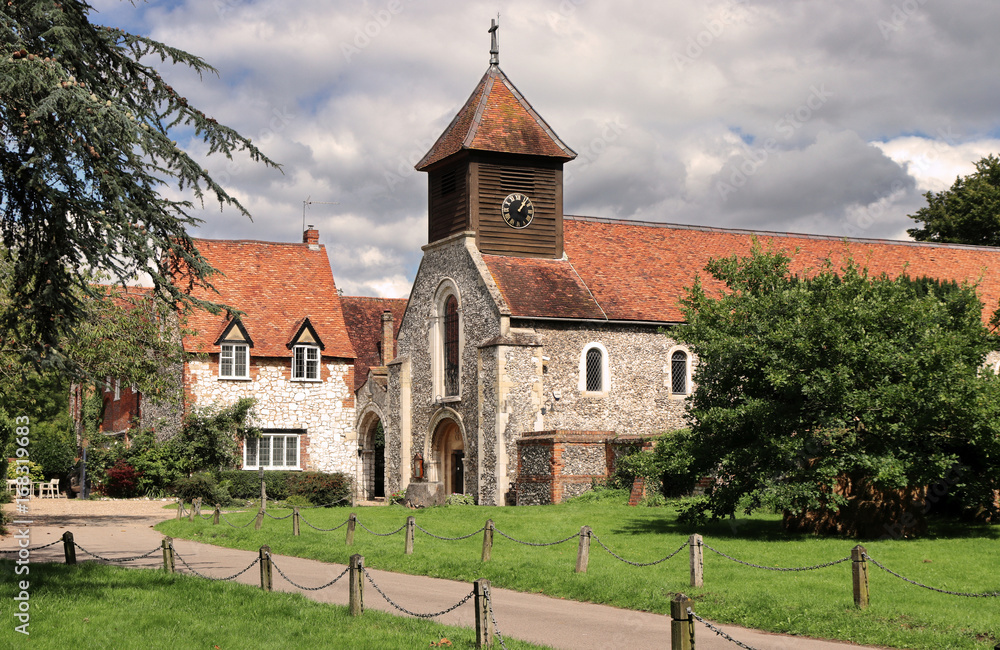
(289, 349)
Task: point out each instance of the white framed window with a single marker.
(679, 372)
(118, 389)
(234, 361)
(305, 363)
(595, 375)
(272, 451)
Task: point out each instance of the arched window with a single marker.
(451, 346)
(595, 370)
(679, 373)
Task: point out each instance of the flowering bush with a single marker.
(122, 481)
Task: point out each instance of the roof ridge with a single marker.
(774, 233)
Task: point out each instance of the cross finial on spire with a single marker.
(494, 46)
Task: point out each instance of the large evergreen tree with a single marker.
(87, 125)
(814, 394)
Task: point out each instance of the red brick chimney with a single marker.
(310, 236)
(387, 344)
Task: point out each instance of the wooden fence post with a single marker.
(697, 561)
(488, 540)
(197, 507)
(484, 614)
(351, 522)
(411, 523)
(266, 569)
(168, 554)
(69, 547)
(860, 576)
(263, 489)
(260, 519)
(295, 521)
(216, 515)
(191, 511)
(681, 626)
(180, 507)
(583, 551)
(356, 602)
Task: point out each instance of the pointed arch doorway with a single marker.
(373, 460)
(449, 456)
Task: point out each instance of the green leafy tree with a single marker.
(87, 123)
(819, 394)
(968, 213)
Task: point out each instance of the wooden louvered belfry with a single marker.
(497, 145)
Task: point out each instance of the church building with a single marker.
(535, 345)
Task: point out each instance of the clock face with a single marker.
(517, 210)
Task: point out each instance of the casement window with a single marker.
(272, 451)
(118, 389)
(305, 363)
(594, 370)
(679, 379)
(234, 361)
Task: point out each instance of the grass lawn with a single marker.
(818, 603)
(96, 606)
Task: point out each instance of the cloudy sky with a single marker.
(795, 116)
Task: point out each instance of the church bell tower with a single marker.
(497, 171)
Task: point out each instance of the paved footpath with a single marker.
(540, 619)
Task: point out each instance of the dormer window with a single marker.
(305, 363)
(234, 351)
(234, 361)
(306, 348)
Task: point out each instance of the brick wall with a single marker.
(553, 466)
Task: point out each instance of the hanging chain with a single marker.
(638, 563)
(406, 611)
(449, 539)
(985, 594)
(380, 534)
(226, 519)
(496, 628)
(533, 543)
(322, 530)
(775, 568)
(202, 575)
(278, 518)
(295, 584)
(33, 548)
(718, 631)
(118, 559)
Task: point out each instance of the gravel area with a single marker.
(111, 512)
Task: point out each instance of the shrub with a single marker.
(35, 471)
(320, 488)
(201, 486)
(460, 500)
(396, 497)
(122, 481)
(245, 484)
(297, 500)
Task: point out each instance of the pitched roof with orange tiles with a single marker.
(363, 317)
(637, 271)
(497, 118)
(277, 286)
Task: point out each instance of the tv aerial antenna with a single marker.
(307, 202)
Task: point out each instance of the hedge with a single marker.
(320, 488)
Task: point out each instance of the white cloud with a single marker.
(347, 96)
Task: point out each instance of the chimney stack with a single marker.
(310, 236)
(387, 343)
